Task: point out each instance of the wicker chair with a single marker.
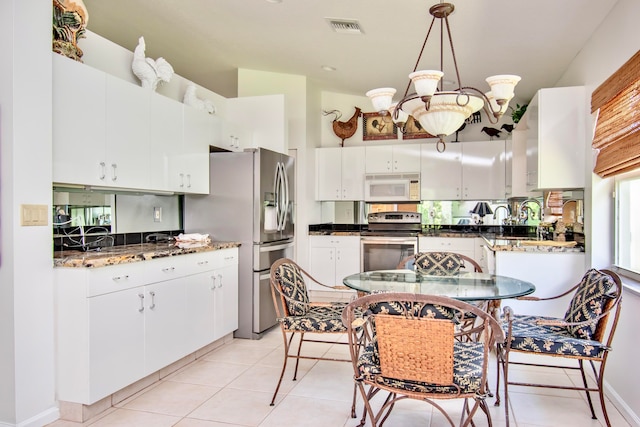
(582, 335)
(405, 344)
(298, 316)
(439, 263)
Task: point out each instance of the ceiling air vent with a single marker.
(345, 26)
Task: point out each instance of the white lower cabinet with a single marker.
(332, 258)
(110, 351)
(115, 325)
(468, 246)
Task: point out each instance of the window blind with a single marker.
(617, 135)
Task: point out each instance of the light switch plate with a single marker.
(31, 215)
(157, 214)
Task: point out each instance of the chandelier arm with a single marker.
(415, 67)
(453, 52)
(488, 108)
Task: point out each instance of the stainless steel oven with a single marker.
(390, 237)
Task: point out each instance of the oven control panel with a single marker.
(394, 218)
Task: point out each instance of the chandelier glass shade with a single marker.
(440, 112)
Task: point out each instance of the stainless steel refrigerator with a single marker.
(251, 201)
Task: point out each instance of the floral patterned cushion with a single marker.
(528, 335)
(467, 371)
(321, 318)
(588, 303)
(294, 289)
(438, 263)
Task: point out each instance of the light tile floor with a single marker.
(233, 385)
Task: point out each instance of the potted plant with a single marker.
(517, 113)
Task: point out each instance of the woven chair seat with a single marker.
(467, 371)
(529, 336)
(320, 318)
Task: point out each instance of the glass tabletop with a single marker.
(465, 286)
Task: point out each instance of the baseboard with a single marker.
(43, 418)
(80, 412)
(631, 417)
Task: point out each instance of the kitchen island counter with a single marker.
(132, 253)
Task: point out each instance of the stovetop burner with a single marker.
(394, 223)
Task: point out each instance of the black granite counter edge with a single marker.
(511, 230)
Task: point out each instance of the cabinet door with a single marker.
(200, 130)
(234, 136)
(322, 266)
(127, 134)
(116, 341)
(165, 323)
(353, 167)
(347, 262)
(379, 159)
(532, 144)
(201, 290)
(328, 173)
(441, 173)
(406, 158)
(483, 170)
(166, 132)
(226, 301)
(79, 102)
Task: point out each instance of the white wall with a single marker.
(298, 93)
(27, 388)
(610, 46)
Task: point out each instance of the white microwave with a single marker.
(392, 187)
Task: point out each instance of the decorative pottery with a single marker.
(70, 19)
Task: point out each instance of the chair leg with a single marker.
(287, 345)
(295, 372)
(600, 381)
(498, 368)
(586, 386)
(505, 373)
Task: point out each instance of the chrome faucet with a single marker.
(525, 209)
(506, 208)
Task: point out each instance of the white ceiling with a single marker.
(206, 41)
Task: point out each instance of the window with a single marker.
(627, 255)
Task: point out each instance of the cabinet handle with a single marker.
(103, 170)
(114, 166)
(188, 180)
(141, 296)
(153, 300)
(213, 283)
(219, 280)
(168, 269)
(203, 262)
(116, 278)
(181, 180)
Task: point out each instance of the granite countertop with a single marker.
(132, 253)
(531, 245)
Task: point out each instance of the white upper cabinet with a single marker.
(192, 165)
(555, 126)
(340, 173)
(393, 158)
(166, 142)
(441, 173)
(127, 139)
(111, 133)
(255, 121)
(483, 170)
(79, 110)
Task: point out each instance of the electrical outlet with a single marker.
(157, 214)
(31, 215)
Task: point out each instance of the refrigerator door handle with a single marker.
(276, 195)
(285, 184)
(271, 248)
(282, 198)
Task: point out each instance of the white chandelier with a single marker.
(440, 112)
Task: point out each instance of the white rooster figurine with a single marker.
(191, 99)
(150, 72)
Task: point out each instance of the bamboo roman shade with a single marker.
(617, 135)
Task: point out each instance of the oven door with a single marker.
(385, 252)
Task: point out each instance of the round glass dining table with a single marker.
(465, 286)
